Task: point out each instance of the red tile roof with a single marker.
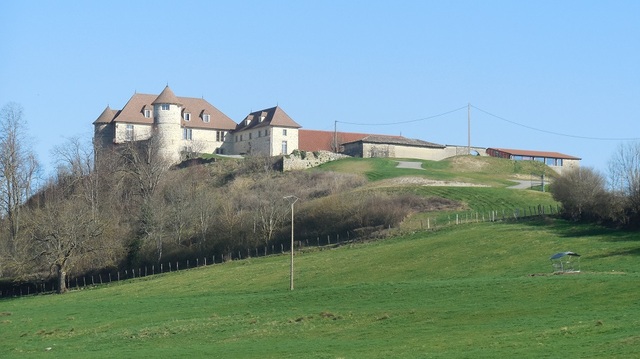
(274, 116)
(535, 153)
(133, 112)
(314, 140)
(167, 96)
(106, 116)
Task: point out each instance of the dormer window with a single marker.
(147, 113)
(261, 118)
(187, 116)
(247, 122)
(206, 118)
(164, 107)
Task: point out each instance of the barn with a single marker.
(557, 161)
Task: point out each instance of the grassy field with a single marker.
(496, 172)
(470, 291)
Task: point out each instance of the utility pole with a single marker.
(469, 128)
(295, 199)
(335, 136)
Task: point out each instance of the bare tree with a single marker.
(624, 172)
(143, 167)
(18, 167)
(75, 161)
(64, 231)
(143, 162)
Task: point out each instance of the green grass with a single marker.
(479, 170)
(462, 292)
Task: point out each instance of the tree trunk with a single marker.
(62, 279)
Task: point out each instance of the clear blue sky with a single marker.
(567, 67)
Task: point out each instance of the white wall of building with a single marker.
(123, 131)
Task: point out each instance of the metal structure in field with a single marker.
(565, 262)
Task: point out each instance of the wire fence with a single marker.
(106, 277)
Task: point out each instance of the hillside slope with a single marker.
(477, 290)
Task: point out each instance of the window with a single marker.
(187, 134)
(266, 132)
(164, 107)
(147, 113)
(249, 135)
(219, 136)
(236, 138)
(259, 133)
(220, 151)
(284, 131)
(187, 116)
(206, 118)
(128, 133)
(240, 138)
(284, 147)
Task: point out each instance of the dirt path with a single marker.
(411, 165)
(521, 185)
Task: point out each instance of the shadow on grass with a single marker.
(568, 229)
(619, 252)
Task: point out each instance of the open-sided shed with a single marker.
(565, 262)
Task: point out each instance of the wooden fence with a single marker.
(107, 277)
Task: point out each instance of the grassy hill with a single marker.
(480, 184)
(496, 172)
(477, 291)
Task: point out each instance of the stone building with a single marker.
(269, 132)
(185, 125)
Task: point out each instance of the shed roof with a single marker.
(398, 140)
(562, 254)
(530, 153)
(316, 140)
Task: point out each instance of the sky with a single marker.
(541, 75)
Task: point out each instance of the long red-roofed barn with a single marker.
(557, 161)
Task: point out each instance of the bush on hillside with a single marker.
(582, 194)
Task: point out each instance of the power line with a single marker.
(401, 122)
(557, 133)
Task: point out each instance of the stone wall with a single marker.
(300, 160)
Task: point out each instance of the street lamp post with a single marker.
(295, 199)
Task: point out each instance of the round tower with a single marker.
(104, 129)
(167, 111)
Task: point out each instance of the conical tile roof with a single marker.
(106, 116)
(167, 96)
